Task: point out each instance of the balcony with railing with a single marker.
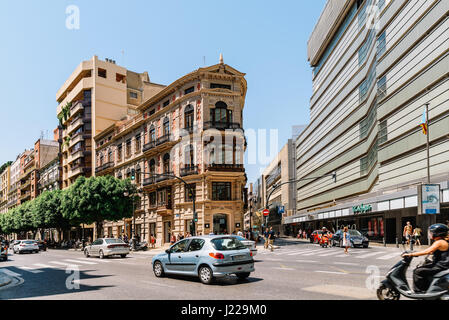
(188, 170)
(27, 172)
(130, 124)
(77, 170)
(148, 146)
(104, 167)
(164, 176)
(148, 181)
(163, 139)
(219, 125)
(226, 167)
(75, 124)
(25, 196)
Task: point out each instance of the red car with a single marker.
(315, 237)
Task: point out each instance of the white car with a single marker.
(250, 244)
(21, 246)
(105, 247)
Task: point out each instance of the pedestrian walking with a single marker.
(153, 241)
(304, 235)
(240, 233)
(417, 233)
(408, 232)
(265, 238)
(271, 236)
(346, 239)
(172, 239)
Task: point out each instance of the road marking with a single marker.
(10, 273)
(158, 284)
(64, 263)
(283, 268)
(315, 252)
(32, 270)
(369, 255)
(306, 261)
(41, 265)
(329, 254)
(347, 263)
(90, 260)
(272, 260)
(389, 256)
(332, 272)
(78, 261)
(299, 252)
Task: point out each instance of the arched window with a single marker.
(152, 166)
(110, 155)
(166, 126)
(188, 117)
(152, 133)
(138, 171)
(221, 114)
(166, 163)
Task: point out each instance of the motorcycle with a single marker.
(396, 284)
(325, 241)
(140, 246)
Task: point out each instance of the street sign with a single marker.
(266, 212)
(281, 209)
(430, 199)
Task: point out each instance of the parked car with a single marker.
(140, 245)
(250, 244)
(4, 250)
(22, 246)
(356, 238)
(206, 257)
(106, 247)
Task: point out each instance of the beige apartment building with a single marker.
(192, 129)
(95, 96)
(5, 185)
(13, 194)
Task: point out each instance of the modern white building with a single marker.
(376, 63)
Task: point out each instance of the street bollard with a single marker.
(397, 243)
(384, 242)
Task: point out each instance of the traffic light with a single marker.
(195, 216)
(133, 174)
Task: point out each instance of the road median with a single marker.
(4, 280)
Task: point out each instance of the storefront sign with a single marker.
(430, 199)
(362, 208)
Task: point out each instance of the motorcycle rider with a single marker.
(324, 233)
(422, 275)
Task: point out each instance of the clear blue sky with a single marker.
(265, 39)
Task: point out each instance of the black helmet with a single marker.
(439, 230)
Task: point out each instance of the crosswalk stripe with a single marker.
(299, 252)
(100, 260)
(371, 254)
(28, 269)
(389, 256)
(41, 265)
(315, 252)
(64, 263)
(78, 261)
(329, 254)
(10, 273)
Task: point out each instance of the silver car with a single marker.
(250, 244)
(21, 246)
(105, 247)
(206, 257)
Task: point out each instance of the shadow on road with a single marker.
(50, 282)
(225, 281)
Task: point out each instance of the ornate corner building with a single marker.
(192, 130)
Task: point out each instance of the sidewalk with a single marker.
(4, 280)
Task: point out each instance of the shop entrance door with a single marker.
(390, 230)
(220, 224)
(167, 230)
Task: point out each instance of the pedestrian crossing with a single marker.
(334, 252)
(63, 264)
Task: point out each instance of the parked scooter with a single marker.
(396, 284)
(140, 246)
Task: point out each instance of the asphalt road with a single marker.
(295, 270)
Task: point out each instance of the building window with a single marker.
(367, 123)
(382, 87)
(166, 103)
(128, 148)
(220, 86)
(152, 199)
(120, 78)
(189, 90)
(166, 127)
(221, 114)
(152, 111)
(110, 155)
(138, 144)
(383, 132)
(133, 95)
(138, 177)
(102, 73)
(188, 117)
(190, 193)
(166, 165)
(381, 44)
(221, 191)
(119, 152)
(152, 134)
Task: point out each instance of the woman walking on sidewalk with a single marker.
(346, 239)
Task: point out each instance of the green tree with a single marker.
(96, 199)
